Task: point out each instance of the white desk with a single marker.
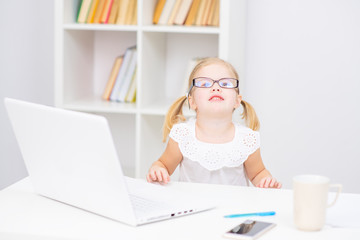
(24, 213)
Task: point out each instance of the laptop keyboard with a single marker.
(144, 206)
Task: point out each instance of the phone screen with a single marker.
(251, 228)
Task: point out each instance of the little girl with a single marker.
(211, 148)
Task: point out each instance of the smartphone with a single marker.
(249, 230)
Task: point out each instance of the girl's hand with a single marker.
(158, 174)
(269, 182)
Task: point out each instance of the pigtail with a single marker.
(250, 116)
(174, 115)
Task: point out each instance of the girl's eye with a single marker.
(204, 84)
(227, 84)
(207, 84)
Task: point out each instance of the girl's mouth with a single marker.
(216, 98)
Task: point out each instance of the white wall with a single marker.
(26, 70)
(303, 78)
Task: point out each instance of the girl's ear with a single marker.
(238, 101)
(192, 103)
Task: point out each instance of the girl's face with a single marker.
(214, 99)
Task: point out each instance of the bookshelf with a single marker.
(84, 55)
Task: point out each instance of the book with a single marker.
(114, 12)
(200, 13)
(134, 16)
(174, 12)
(216, 18)
(91, 15)
(84, 11)
(114, 73)
(130, 96)
(165, 15)
(158, 9)
(211, 13)
(192, 13)
(206, 13)
(128, 76)
(130, 12)
(78, 10)
(99, 10)
(120, 78)
(183, 12)
(123, 8)
(133, 100)
(106, 11)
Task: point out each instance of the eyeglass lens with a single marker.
(208, 82)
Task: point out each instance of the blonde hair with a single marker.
(175, 114)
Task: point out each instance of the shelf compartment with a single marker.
(148, 8)
(88, 60)
(165, 63)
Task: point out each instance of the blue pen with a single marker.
(251, 214)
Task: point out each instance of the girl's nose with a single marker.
(216, 87)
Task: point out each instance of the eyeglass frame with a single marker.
(214, 81)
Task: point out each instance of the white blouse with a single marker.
(213, 162)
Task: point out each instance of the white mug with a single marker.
(310, 201)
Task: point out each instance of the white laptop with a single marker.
(70, 157)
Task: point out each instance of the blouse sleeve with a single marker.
(179, 132)
(251, 141)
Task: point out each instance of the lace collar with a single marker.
(214, 156)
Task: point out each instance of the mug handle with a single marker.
(339, 187)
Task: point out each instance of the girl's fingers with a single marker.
(261, 183)
(153, 176)
(150, 177)
(275, 184)
(266, 182)
(159, 176)
(269, 182)
(272, 182)
(165, 176)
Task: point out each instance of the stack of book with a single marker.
(121, 86)
(123, 12)
(187, 12)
